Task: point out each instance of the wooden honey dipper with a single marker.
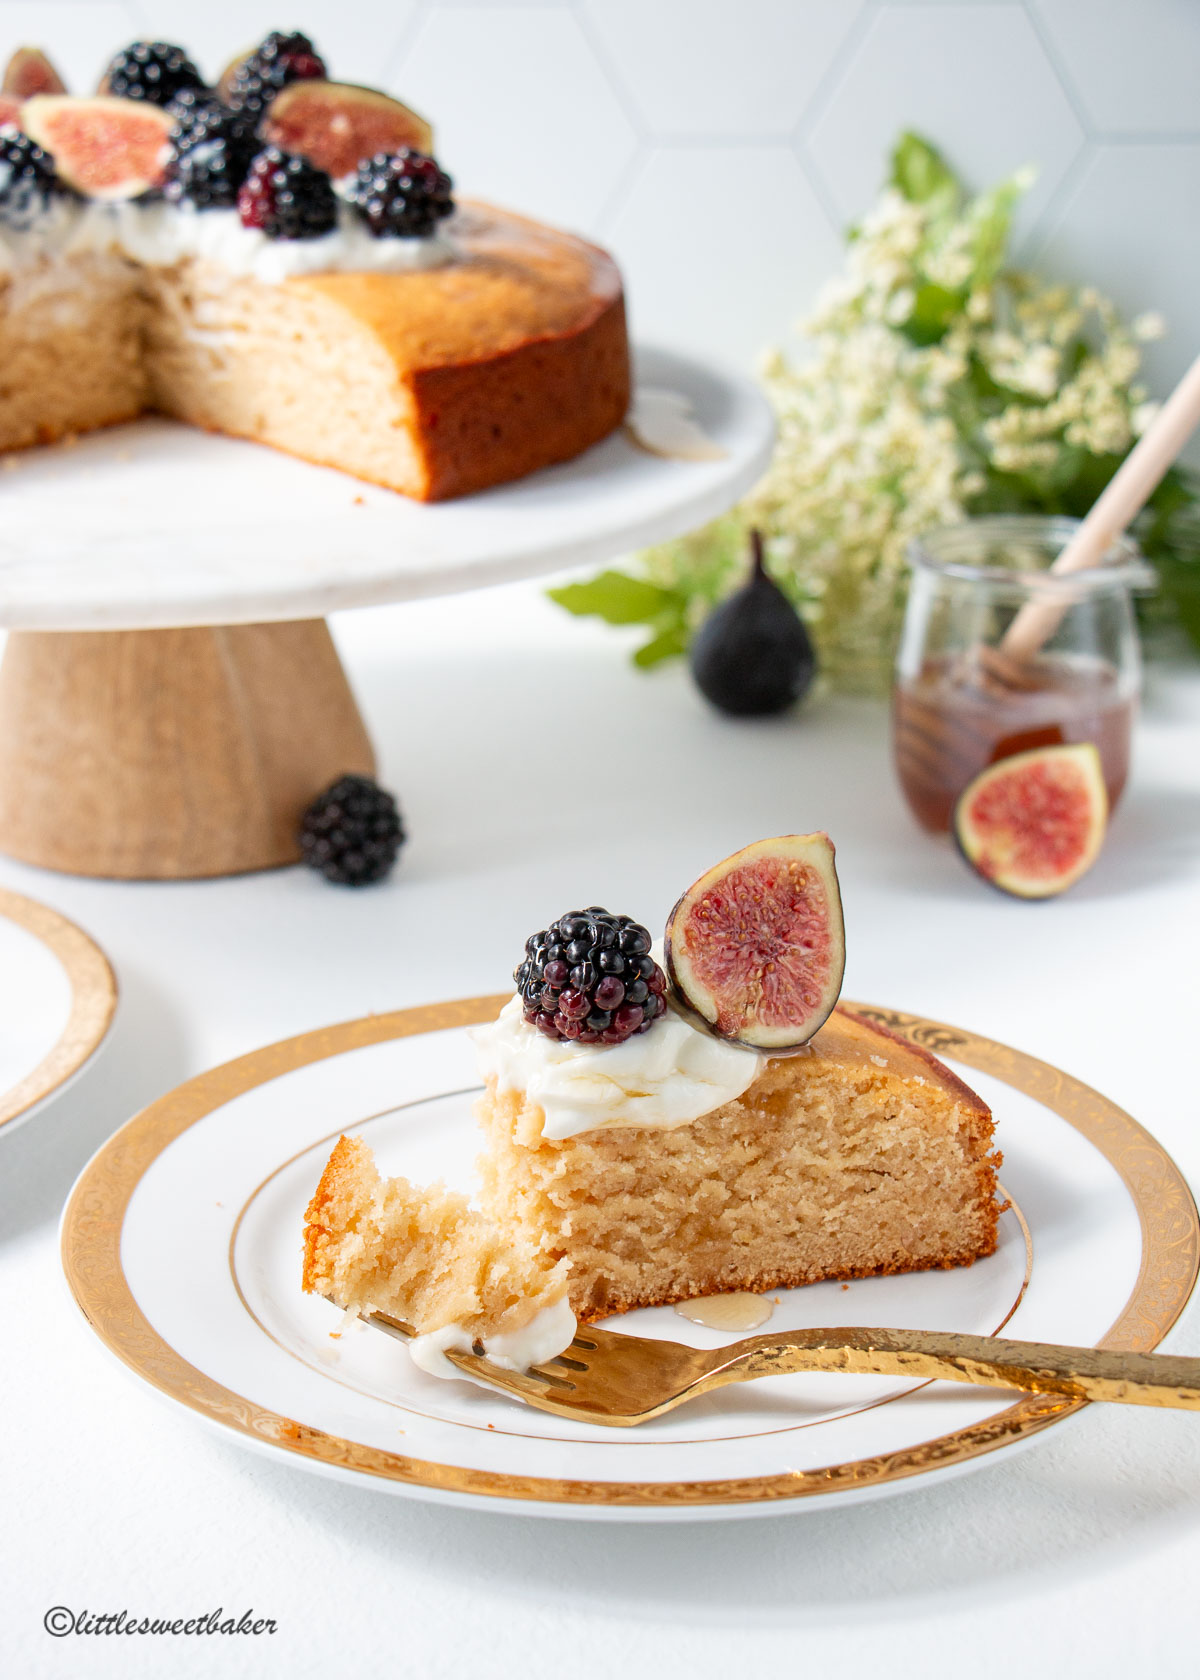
(1118, 505)
(939, 747)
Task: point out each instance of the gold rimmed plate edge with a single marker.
(93, 1004)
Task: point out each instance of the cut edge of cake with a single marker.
(423, 1255)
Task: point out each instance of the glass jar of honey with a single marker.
(962, 702)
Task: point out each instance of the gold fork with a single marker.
(607, 1377)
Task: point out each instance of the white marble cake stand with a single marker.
(170, 697)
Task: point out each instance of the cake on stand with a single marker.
(170, 696)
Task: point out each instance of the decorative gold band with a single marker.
(93, 1001)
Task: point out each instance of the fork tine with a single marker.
(527, 1386)
(393, 1326)
(550, 1386)
(537, 1387)
(564, 1360)
(574, 1357)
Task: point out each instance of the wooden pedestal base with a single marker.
(170, 754)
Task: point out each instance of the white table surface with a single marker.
(536, 769)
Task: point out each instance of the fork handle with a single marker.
(1135, 1379)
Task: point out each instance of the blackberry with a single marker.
(352, 832)
(27, 180)
(273, 64)
(211, 153)
(151, 70)
(589, 976)
(287, 197)
(191, 106)
(401, 195)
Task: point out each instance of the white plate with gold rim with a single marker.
(57, 1000)
(181, 1242)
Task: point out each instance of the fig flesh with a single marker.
(336, 126)
(10, 111)
(1033, 824)
(29, 71)
(104, 148)
(752, 656)
(757, 948)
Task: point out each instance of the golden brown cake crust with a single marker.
(516, 283)
(515, 357)
(906, 1047)
(339, 1168)
(753, 1282)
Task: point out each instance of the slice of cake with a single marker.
(330, 302)
(635, 1156)
(855, 1156)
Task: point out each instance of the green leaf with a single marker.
(616, 598)
(919, 170)
(991, 217)
(1002, 493)
(933, 310)
(668, 644)
(1180, 586)
(1075, 358)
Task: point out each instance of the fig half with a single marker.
(1032, 824)
(104, 148)
(335, 125)
(29, 71)
(757, 946)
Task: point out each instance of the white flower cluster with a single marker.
(937, 382)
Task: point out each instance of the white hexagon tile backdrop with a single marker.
(721, 150)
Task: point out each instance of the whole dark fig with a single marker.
(752, 655)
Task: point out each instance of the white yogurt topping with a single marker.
(546, 1334)
(158, 235)
(667, 1076)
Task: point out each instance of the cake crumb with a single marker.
(491, 1426)
(845, 1286)
(360, 501)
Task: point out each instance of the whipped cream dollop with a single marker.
(667, 1076)
(547, 1333)
(159, 235)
